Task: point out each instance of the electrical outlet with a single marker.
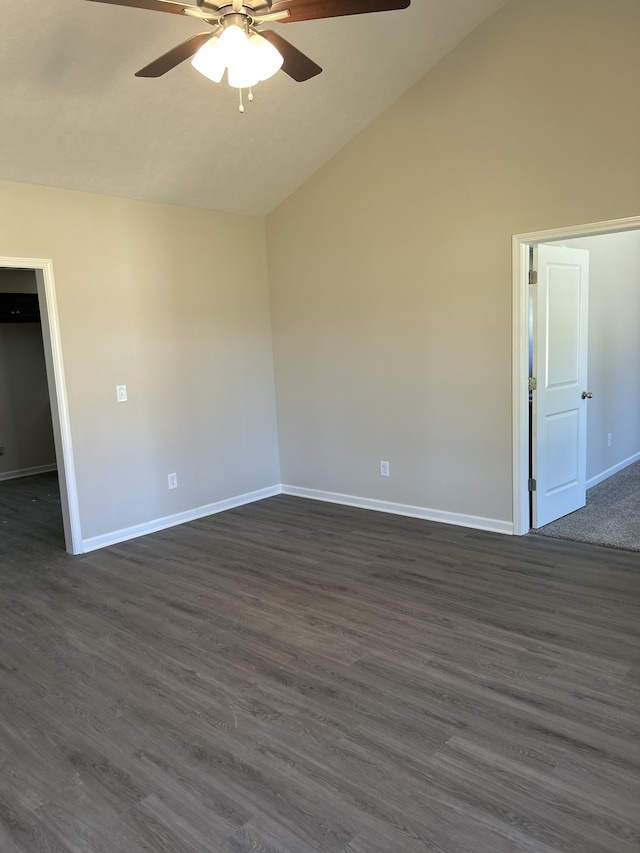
(173, 481)
(609, 440)
(384, 469)
(121, 393)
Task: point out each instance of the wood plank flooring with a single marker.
(298, 677)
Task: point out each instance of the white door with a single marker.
(559, 429)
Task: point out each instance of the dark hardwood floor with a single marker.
(298, 677)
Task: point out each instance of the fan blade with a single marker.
(296, 64)
(152, 5)
(310, 10)
(174, 57)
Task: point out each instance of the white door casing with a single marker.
(521, 244)
(560, 351)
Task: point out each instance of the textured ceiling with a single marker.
(74, 116)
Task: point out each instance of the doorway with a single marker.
(45, 283)
(522, 245)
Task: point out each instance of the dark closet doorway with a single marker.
(29, 490)
(34, 419)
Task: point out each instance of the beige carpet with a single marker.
(611, 516)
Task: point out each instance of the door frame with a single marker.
(43, 269)
(520, 245)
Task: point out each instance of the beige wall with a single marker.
(173, 302)
(614, 349)
(25, 415)
(390, 269)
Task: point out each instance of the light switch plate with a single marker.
(121, 393)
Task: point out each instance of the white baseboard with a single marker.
(472, 521)
(477, 522)
(604, 475)
(28, 472)
(126, 533)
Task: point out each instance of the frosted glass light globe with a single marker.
(209, 61)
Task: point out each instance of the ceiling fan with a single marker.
(239, 46)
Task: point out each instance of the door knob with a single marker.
(587, 395)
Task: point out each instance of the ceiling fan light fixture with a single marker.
(247, 59)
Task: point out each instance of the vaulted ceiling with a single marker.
(75, 116)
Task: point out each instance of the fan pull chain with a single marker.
(249, 98)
